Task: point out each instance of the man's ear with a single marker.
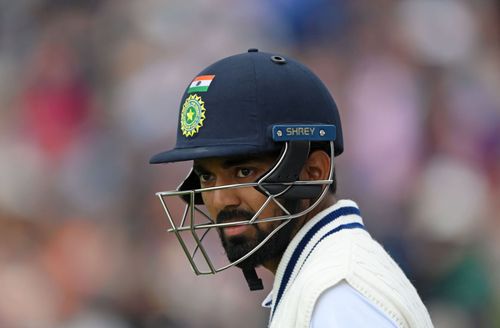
(317, 166)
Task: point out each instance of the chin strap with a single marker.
(254, 282)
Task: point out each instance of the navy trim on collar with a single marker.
(307, 238)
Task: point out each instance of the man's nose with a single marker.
(225, 197)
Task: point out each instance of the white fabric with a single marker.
(330, 248)
(342, 306)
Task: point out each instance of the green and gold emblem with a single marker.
(192, 115)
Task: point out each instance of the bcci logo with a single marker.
(192, 115)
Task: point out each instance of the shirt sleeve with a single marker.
(342, 306)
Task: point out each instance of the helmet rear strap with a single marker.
(288, 169)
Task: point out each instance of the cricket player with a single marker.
(262, 131)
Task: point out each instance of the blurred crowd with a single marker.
(90, 89)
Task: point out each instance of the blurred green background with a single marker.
(90, 90)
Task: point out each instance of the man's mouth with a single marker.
(235, 230)
(232, 218)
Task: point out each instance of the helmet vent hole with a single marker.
(278, 60)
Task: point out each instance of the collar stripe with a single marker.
(353, 225)
(343, 211)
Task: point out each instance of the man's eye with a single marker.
(244, 172)
(205, 177)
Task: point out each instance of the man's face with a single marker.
(241, 204)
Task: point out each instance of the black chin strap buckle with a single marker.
(254, 282)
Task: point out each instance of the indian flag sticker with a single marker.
(201, 83)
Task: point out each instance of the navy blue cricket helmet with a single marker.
(230, 107)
